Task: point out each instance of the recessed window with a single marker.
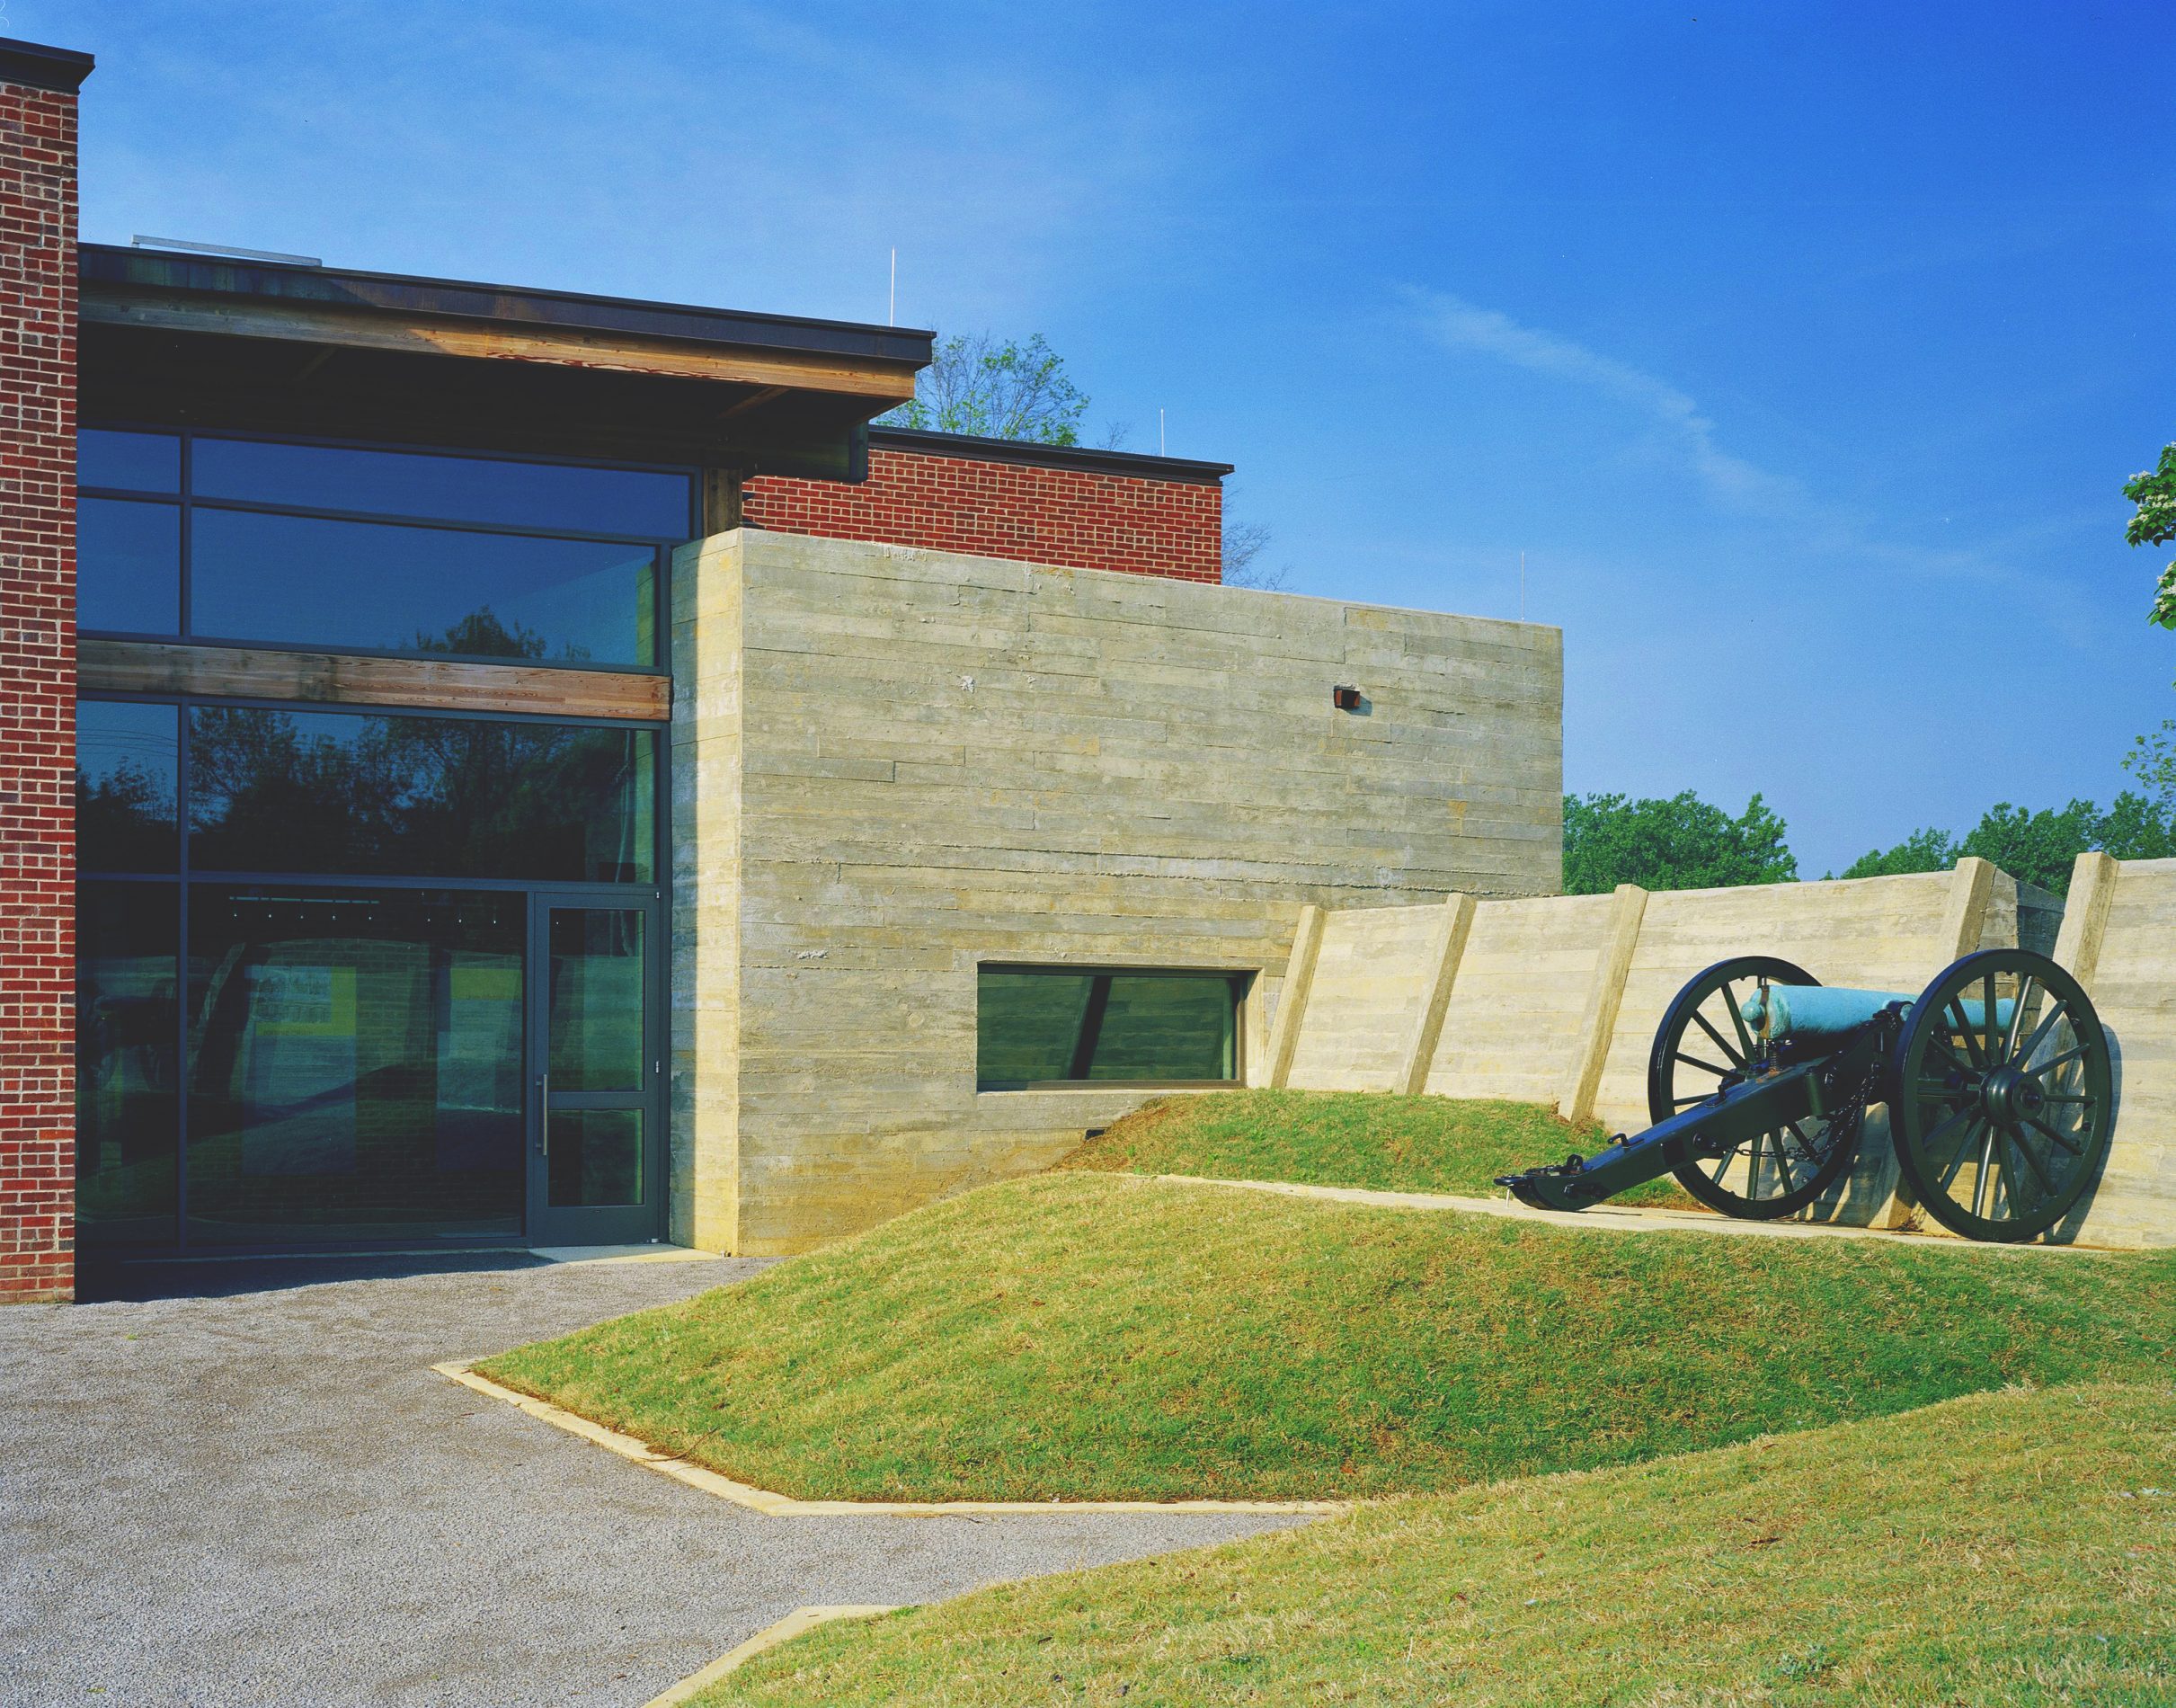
(1039, 1026)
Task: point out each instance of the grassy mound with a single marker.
(1100, 1336)
(1368, 1139)
(2006, 1549)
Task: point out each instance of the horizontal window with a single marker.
(367, 794)
(386, 586)
(132, 462)
(1047, 1025)
(545, 496)
(474, 556)
(129, 566)
(127, 761)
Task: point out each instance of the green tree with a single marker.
(2038, 848)
(1927, 850)
(2154, 523)
(979, 385)
(1682, 843)
(2153, 761)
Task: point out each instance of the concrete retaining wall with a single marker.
(891, 766)
(1557, 1000)
(2119, 939)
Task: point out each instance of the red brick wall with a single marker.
(37, 692)
(1083, 518)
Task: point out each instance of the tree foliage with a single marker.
(995, 388)
(2153, 761)
(2038, 848)
(1682, 843)
(2154, 523)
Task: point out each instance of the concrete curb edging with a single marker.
(801, 1619)
(778, 1506)
(1606, 1218)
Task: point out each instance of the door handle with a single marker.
(543, 1115)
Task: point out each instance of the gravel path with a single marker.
(268, 1497)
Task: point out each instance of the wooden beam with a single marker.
(365, 329)
(334, 679)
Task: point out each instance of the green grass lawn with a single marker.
(1369, 1139)
(2005, 1549)
(1092, 1336)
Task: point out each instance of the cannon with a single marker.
(1997, 1079)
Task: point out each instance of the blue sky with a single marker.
(1802, 349)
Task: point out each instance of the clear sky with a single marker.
(1801, 349)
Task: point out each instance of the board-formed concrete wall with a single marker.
(1512, 1029)
(892, 765)
(1876, 933)
(1557, 1000)
(2119, 939)
(1370, 977)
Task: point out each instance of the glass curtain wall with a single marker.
(360, 550)
(291, 1059)
(303, 932)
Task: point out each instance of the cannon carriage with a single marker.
(1997, 1079)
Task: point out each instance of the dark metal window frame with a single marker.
(655, 893)
(1239, 980)
(185, 499)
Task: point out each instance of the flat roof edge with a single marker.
(43, 67)
(572, 311)
(974, 448)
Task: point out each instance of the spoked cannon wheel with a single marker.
(1704, 1044)
(2004, 1095)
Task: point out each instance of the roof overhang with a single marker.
(189, 340)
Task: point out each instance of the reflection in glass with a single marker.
(1037, 1027)
(381, 585)
(465, 489)
(126, 1045)
(596, 1028)
(133, 462)
(354, 1065)
(129, 566)
(420, 796)
(125, 760)
(1028, 1025)
(596, 1158)
(1167, 1028)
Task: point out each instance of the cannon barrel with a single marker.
(1715, 1127)
(1813, 1012)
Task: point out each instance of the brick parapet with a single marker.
(37, 210)
(1079, 518)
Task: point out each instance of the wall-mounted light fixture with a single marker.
(1346, 699)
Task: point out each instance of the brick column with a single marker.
(37, 668)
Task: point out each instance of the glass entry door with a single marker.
(596, 1141)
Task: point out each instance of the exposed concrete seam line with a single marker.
(778, 1506)
(801, 1619)
(1602, 1218)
